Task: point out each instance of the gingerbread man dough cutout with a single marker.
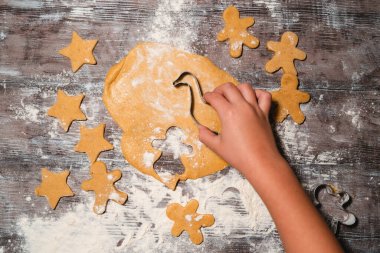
(54, 186)
(92, 142)
(236, 31)
(288, 100)
(79, 51)
(67, 109)
(285, 54)
(102, 183)
(186, 219)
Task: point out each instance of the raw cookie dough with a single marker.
(288, 100)
(92, 142)
(53, 186)
(79, 51)
(236, 31)
(186, 218)
(141, 98)
(285, 54)
(102, 183)
(67, 109)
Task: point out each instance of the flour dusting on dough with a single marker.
(174, 143)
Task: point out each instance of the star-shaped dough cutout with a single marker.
(288, 100)
(102, 183)
(186, 219)
(67, 109)
(54, 186)
(285, 52)
(92, 142)
(235, 30)
(79, 51)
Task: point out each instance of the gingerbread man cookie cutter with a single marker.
(187, 219)
(343, 199)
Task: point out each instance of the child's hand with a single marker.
(246, 137)
(247, 143)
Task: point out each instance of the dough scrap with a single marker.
(67, 109)
(79, 51)
(186, 219)
(285, 54)
(288, 99)
(92, 142)
(235, 30)
(141, 98)
(53, 186)
(102, 183)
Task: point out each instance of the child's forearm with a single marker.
(299, 224)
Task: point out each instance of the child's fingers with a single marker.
(264, 99)
(217, 101)
(230, 92)
(248, 93)
(209, 138)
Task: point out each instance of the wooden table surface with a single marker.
(337, 144)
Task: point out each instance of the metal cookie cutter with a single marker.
(179, 81)
(343, 198)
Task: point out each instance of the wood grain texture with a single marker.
(338, 143)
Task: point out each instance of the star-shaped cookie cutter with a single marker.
(343, 199)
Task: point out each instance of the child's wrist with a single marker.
(263, 166)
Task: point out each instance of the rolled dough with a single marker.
(141, 98)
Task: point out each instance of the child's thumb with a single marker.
(209, 138)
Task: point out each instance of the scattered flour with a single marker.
(114, 196)
(171, 19)
(52, 17)
(6, 70)
(27, 112)
(335, 16)
(355, 118)
(30, 4)
(2, 35)
(230, 198)
(329, 157)
(148, 159)
(75, 231)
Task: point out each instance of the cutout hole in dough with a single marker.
(169, 163)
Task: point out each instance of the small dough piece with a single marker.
(235, 30)
(285, 54)
(102, 183)
(79, 51)
(54, 186)
(186, 218)
(140, 96)
(288, 100)
(92, 142)
(67, 109)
